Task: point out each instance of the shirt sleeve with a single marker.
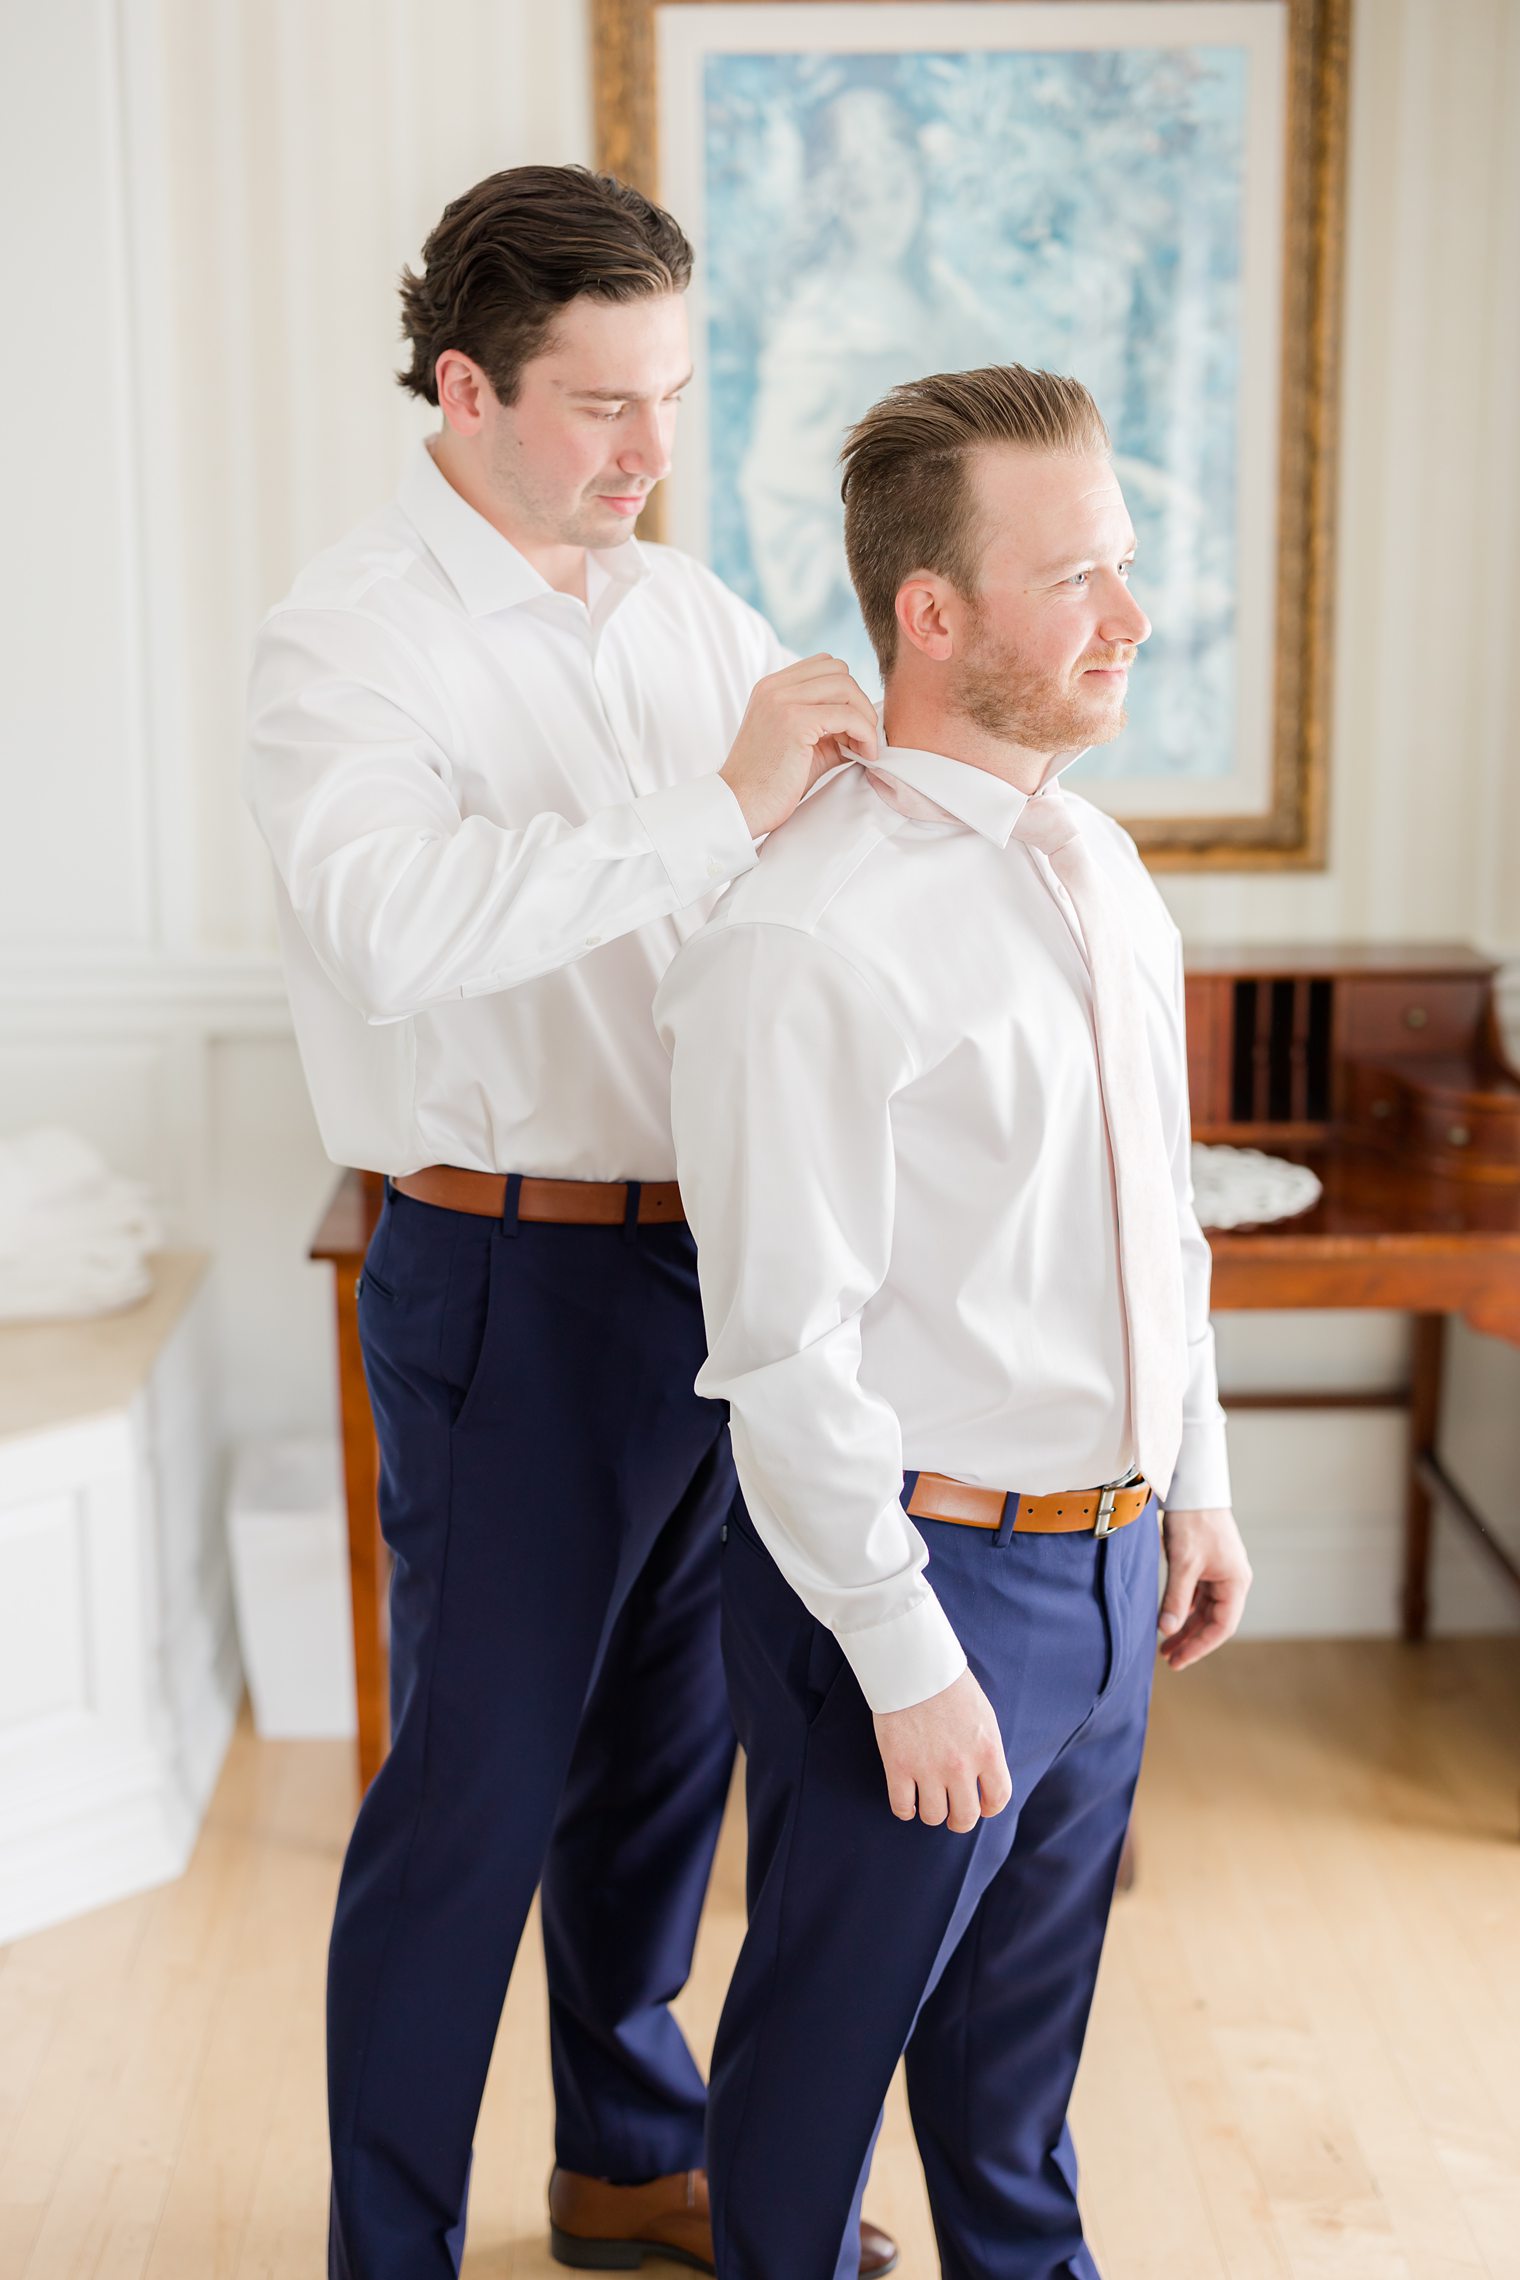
(783, 1071)
(407, 900)
(1201, 1478)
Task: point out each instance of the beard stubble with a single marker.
(1002, 694)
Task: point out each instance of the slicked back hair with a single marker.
(908, 499)
(507, 256)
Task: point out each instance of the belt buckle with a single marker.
(1103, 1525)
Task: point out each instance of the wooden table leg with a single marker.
(366, 1554)
(1424, 1429)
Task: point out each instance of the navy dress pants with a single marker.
(553, 1494)
(869, 1937)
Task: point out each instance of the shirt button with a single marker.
(714, 867)
(592, 940)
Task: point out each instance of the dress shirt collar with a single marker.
(485, 569)
(960, 792)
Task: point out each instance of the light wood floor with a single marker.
(1305, 2057)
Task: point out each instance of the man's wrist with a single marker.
(701, 834)
(1200, 1479)
(735, 790)
(913, 1655)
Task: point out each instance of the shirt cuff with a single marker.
(1201, 1478)
(700, 835)
(907, 1658)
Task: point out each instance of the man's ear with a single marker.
(463, 391)
(924, 615)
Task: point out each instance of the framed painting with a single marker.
(1144, 193)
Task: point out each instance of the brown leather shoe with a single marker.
(612, 2228)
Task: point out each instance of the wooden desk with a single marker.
(1384, 1237)
(342, 1240)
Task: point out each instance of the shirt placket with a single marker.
(610, 680)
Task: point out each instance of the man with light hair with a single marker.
(931, 1123)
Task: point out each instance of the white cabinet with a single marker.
(119, 1679)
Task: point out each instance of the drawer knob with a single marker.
(1415, 1017)
(1382, 1108)
(1457, 1135)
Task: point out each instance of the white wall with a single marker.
(230, 187)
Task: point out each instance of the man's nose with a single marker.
(1124, 619)
(646, 451)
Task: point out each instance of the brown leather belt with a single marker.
(1098, 1510)
(559, 1203)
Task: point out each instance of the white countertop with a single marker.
(52, 1373)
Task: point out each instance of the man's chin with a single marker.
(1098, 720)
(600, 528)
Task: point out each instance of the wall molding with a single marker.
(235, 994)
(216, 996)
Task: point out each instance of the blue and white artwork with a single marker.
(872, 214)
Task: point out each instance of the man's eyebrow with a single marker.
(623, 395)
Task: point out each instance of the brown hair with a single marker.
(509, 254)
(907, 499)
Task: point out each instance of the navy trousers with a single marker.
(868, 1936)
(553, 1494)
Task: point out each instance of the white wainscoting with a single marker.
(119, 1676)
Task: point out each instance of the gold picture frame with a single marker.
(1285, 829)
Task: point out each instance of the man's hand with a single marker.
(794, 730)
(944, 1758)
(1207, 1578)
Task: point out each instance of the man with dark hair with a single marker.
(930, 1104)
(487, 750)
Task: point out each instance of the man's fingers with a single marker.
(1179, 1642)
(947, 1747)
(1207, 1578)
(1215, 1619)
(838, 715)
(902, 1796)
(965, 1804)
(809, 670)
(812, 675)
(840, 719)
(836, 686)
(1182, 1653)
(1177, 1651)
(1181, 1583)
(996, 1787)
(933, 1804)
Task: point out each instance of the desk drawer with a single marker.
(1407, 1015)
(1442, 1116)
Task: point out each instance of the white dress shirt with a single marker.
(892, 1152)
(494, 811)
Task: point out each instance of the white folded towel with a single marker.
(74, 1238)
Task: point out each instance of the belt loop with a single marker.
(631, 1211)
(1010, 1514)
(509, 1220)
(910, 1482)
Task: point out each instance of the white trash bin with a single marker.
(288, 1530)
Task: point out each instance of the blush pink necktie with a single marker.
(1150, 1258)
